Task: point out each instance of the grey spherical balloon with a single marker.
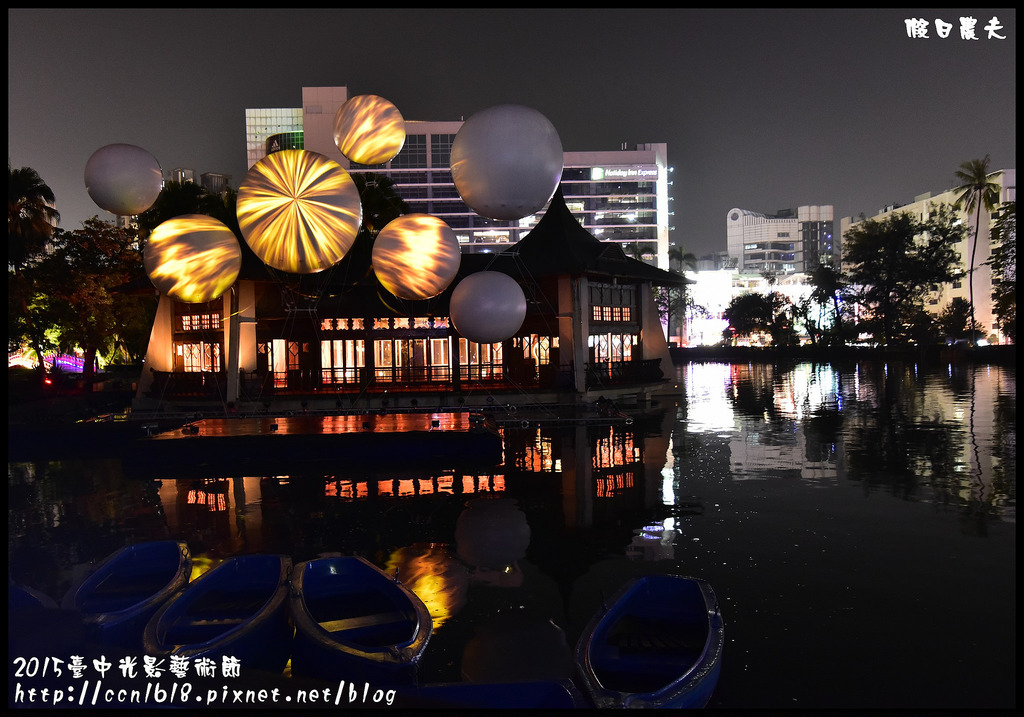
(488, 307)
(123, 179)
(506, 161)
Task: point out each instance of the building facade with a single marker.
(620, 196)
(922, 207)
(788, 242)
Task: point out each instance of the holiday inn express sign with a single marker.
(602, 173)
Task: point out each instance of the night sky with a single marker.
(761, 109)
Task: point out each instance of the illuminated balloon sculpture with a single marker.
(299, 211)
(487, 307)
(192, 258)
(506, 161)
(369, 130)
(123, 179)
(416, 256)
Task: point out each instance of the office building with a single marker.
(788, 242)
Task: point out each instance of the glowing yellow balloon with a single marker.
(416, 256)
(369, 130)
(299, 211)
(192, 258)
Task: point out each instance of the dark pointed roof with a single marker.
(559, 244)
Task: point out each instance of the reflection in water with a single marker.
(930, 436)
(773, 481)
(439, 580)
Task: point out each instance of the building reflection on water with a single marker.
(481, 546)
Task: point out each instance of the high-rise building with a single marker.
(215, 182)
(619, 195)
(787, 242)
(180, 175)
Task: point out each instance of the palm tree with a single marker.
(31, 221)
(829, 287)
(31, 216)
(679, 261)
(976, 191)
(679, 258)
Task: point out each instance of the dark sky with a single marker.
(761, 109)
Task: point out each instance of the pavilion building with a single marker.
(338, 340)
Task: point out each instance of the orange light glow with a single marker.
(369, 130)
(299, 211)
(416, 256)
(437, 578)
(192, 258)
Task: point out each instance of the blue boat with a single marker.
(657, 645)
(237, 609)
(353, 621)
(23, 599)
(118, 598)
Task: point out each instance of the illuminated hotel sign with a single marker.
(602, 173)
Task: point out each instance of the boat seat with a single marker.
(355, 623)
(210, 622)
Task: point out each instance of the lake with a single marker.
(856, 520)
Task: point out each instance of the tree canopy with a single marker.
(770, 313)
(896, 262)
(79, 283)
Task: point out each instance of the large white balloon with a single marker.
(506, 161)
(487, 307)
(123, 179)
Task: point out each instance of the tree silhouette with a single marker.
(31, 216)
(896, 261)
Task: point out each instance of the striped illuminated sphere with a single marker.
(192, 258)
(299, 211)
(416, 256)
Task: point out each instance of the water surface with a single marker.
(856, 522)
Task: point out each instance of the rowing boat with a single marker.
(238, 609)
(125, 590)
(353, 621)
(658, 644)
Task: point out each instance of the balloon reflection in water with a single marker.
(416, 256)
(517, 646)
(192, 258)
(299, 211)
(492, 533)
(434, 575)
(123, 179)
(369, 130)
